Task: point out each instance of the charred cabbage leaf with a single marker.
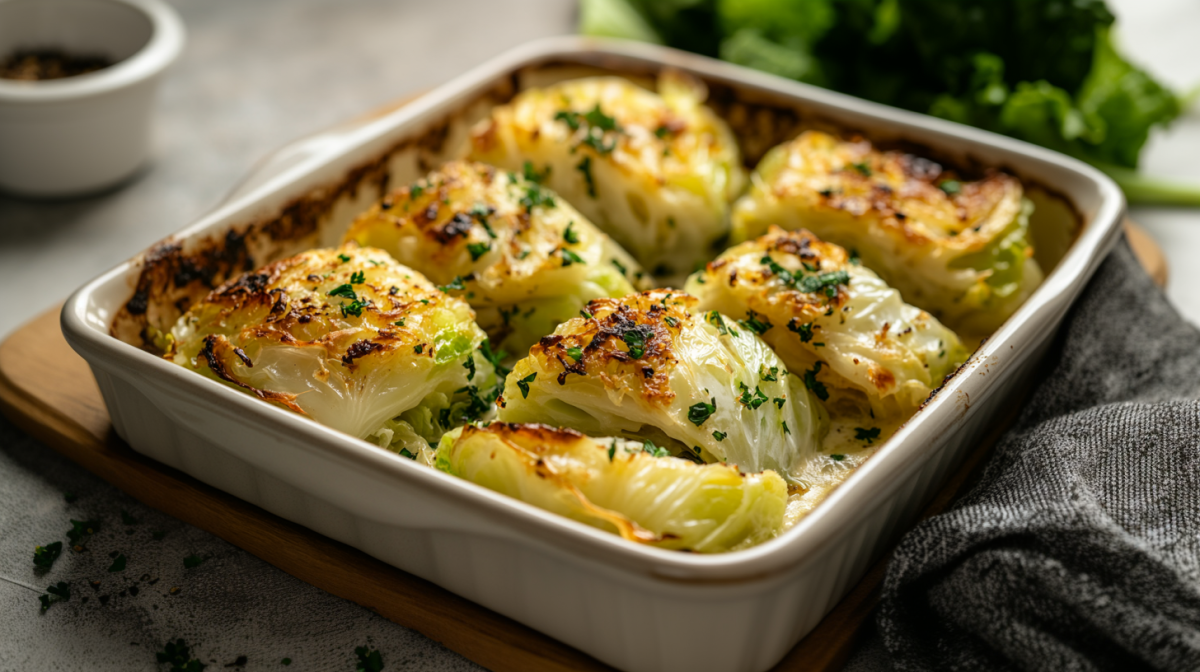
(620, 486)
(650, 366)
(518, 253)
(656, 171)
(957, 248)
(347, 337)
(834, 321)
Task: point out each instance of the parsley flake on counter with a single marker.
(179, 656)
(700, 412)
(193, 561)
(127, 519)
(59, 592)
(81, 530)
(118, 564)
(523, 384)
(369, 660)
(44, 556)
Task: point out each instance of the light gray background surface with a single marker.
(254, 76)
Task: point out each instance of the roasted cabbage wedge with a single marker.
(520, 255)
(649, 366)
(620, 486)
(959, 249)
(349, 338)
(833, 321)
(656, 171)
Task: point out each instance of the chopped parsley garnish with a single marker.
(523, 384)
(343, 258)
(571, 119)
(701, 411)
(636, 341)
(598, 119)
(868, 435)
(826, 281)
(404, 452)
(535, 196)
(719, 436)
(779, 402)
(455, 285)
(416, 190)
(418, 348)
(495, 357)
(571, 235)
(531, 174)
(469, 365)
(671, 321)
(481, 212)
(118, 564)
(653, 450)
(950, 187)
(179, 656)
(575, 353)
(193, 561)
(344, 291)
(811, 382)
(477, 250)
(756, 325)
(354, 308)
(837, 457)
(357, 278)
(620, 267)
(662, 132)
(59, 592)
(399, 322)
(44, 556)
(585, 167)
(785, 428)
(854, 258)
(805, 330)
(585, 315)
(863, 168)
(612, 450)
(569, 257)
(771, 375)
(714, 318)
(752, 401)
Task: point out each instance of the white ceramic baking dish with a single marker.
(634, 607)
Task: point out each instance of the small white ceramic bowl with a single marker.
(71, 136)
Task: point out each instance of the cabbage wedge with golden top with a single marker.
(833, 321)
(656, 171)
(959, 249)
(650, 367)
(347, 337)
(620, 486)
(520, 255)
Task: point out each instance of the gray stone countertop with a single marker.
(254, 76)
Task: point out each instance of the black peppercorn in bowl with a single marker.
(77, 84)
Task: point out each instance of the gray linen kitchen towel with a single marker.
(1080, 547)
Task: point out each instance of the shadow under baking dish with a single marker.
(633, 607)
